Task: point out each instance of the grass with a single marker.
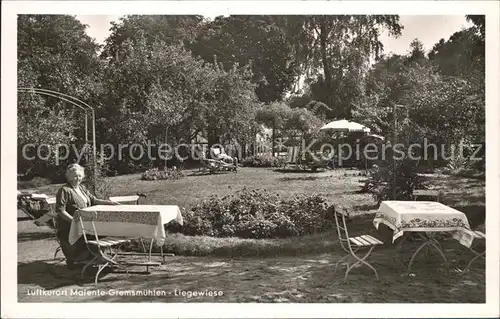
(339, 186)
(195, 187)
(295, 269)
(182, 245)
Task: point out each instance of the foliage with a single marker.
(381, 180)
(320, 109)
(466, 173)
(157, 174)
(289, 122)
(298, 100)
(442, 109)
(479, 22)
(461, 55)
(33, 183)
(55, 53)
(458, 161)
(265, 160)
(155, 88)
(250, 40)
(273, 115)
(333, 52)
(302, 122)
(95, 178)
(168, 29)
(257, 214)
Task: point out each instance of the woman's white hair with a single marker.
(75, 168)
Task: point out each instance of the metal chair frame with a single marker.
(99, 257)
(478, 254)
(40, 221)
(138, 198)
(213, 166)
(346, 242)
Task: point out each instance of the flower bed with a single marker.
(262, 161)
(257, 214)
(157, 174)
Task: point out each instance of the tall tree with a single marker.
(169, 29)
(156, 87)
(55, 53)
(443, 109)
(461, 55)
(335, 51)
(417, 52)
(250, 40)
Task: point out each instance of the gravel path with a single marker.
(281, 279)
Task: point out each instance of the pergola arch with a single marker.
(77, 103)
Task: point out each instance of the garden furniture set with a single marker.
(294, 158)
(120, 224)
(426, 220)
(221, 163)
(112, 227)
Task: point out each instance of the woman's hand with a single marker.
(114, 203)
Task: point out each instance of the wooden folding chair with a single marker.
(31, 204)
(479, 236)
(98, 246)
(46, 209)
(135, 199)
(129, 199)
(292, 157)
(351, 245)
(51, 201)
(432, 194)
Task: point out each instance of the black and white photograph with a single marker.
(221, 157)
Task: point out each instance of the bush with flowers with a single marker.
(257, 214)
(263, 160)
(159, 174)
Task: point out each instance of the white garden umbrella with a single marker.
(375, 136)
(344, 126)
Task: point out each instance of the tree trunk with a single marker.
(212, 137)
(323, 36)
(273, 138)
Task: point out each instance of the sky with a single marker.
(427, 28)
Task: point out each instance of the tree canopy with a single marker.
(188, 75)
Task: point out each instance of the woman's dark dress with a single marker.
(67, 199)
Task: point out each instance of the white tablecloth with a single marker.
(130, 221)
(413, 216)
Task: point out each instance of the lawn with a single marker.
(279, 270)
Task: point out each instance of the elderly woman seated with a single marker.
(71, 197)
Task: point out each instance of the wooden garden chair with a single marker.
(432, 194)
(104, 249)
(135, 199)
(353, 245)
(129, 199)
(44, 216)
(213, 166)
(479, 236)
(292, 157)
(321, 163)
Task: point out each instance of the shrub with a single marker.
(98, 179)
(458, 162)
(265, 160)
(166, 173)
(35, 182)
(257, 214)
(381, 184)
(467, 173)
